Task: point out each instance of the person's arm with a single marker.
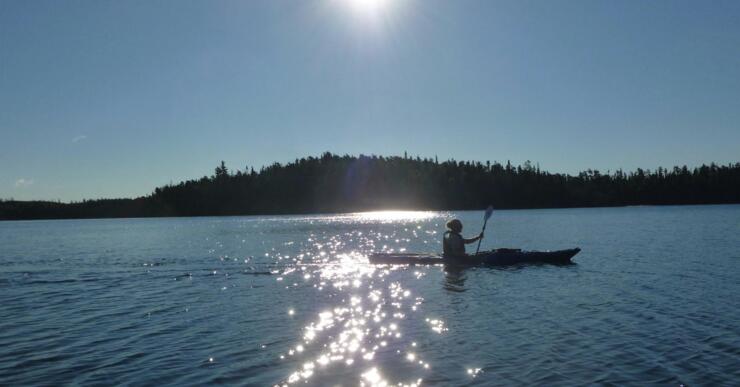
(471, 240)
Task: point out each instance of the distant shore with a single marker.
(337, 184)
(2, 219)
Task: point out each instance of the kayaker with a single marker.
(453, 243)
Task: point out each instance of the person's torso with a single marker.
(452, 244)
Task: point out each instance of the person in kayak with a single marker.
(453, 243)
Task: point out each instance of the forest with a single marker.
(334, 183)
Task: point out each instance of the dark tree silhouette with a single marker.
(221, 171)
(332, 183)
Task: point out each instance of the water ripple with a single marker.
(293, 300)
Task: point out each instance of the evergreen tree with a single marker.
(333, 183)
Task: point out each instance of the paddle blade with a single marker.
(489, 211)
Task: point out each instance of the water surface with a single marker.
(652, 299)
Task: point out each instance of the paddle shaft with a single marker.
(485, 222)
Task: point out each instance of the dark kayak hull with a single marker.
(499, 257)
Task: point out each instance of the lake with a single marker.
(652, 299)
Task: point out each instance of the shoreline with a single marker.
(326, 214)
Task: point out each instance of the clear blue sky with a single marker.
(114, 98)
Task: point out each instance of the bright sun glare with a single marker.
(369, 9)
(392, 216)
(368, 6)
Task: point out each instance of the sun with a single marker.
(369, 19)
(368, 6)
(369, 9)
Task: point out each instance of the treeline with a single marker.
(333, 183)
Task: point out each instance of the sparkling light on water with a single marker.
(367, 314)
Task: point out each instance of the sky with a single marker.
(114, 98)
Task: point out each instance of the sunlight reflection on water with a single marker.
(393, 216)
(365, 320)
(387, 216)
(369, 315)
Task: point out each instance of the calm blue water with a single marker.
(653, 299)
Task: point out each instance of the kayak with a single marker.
(498, 257)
